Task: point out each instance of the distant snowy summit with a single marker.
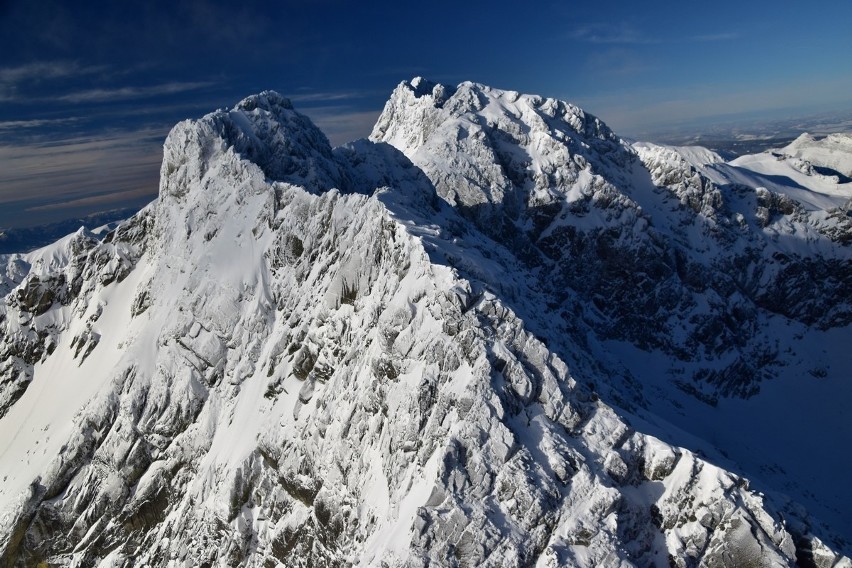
(492, 334)
(833, 151)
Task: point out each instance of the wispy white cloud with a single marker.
(16, 84)
(128, 93)
(611, 34)
(627, 34)
(720, 36)
(80, 168)
(7, 125)
(105, 199)
(46, 70)
(12, 79)
(325, 97)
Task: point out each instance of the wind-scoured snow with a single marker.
(466, 341)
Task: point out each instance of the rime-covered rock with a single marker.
(390, 353)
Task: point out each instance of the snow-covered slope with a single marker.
(809, 369)
(697, 288)
(302, 356)
(833, 152)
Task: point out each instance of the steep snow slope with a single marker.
(797, 179)
(774, 170)
(302, 356)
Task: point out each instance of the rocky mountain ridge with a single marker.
(400, 351)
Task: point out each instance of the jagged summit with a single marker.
(264, 130)
(493, 334)
(421, 87)
(265, 100)
(497, 155)
(418, 100)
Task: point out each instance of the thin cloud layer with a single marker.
(15, 80)
(7, 125)
(46, 70)
(627, 34)
(101, 200)
(611, 34)
(128, 93)
(49, 178)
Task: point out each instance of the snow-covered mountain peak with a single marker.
(498, 155)
(414, 103)
(264, 130)
(421, 87)
(302, 356)
(832, 152)
(696, 156)
(265, 100)
(804, 139)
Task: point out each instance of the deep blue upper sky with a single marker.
(88, 90)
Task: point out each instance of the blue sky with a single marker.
(88, 90)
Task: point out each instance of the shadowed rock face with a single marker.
(669, 261)
(304, 356)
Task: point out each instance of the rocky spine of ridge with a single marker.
(298, 357)
(649, 251)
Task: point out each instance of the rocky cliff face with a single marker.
(393, 352)
(638, 241)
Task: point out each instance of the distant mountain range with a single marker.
(738, 135)
(26, 239)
